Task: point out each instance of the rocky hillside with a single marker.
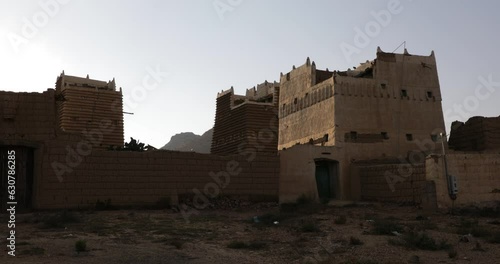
(188, 141)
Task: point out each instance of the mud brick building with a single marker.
(370, 133)
(385, 108)
(247, 121)
(477, 134)
(83, 103)
(61, 137)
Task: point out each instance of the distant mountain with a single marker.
(188, 141)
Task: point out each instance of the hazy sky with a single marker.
(206, 46)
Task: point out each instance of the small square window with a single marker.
(383, 85)
(429, 94)
(404, 93)
(434, 138)
(409, 137)
(384, 135)
(354, 135)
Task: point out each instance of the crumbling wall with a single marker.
(477, 175)
(477, 134)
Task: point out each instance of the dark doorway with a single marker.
(327, 179)
(23, 176)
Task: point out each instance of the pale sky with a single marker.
(207, 46)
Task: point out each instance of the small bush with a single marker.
(33, 251)
(309, 226)
(81, 246)
(59, 220)
(355, 241)
(254, 245)
(495, 238)
(386, 226)
(421, 241)
(269, 219)
(340, 220)
(177, 243)
(472, 227)
(452, 253)
(237, 245)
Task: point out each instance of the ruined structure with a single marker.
(249, 121)
(477, 134)
(388, 107)
(83, 104)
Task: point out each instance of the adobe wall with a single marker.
(27, 117)
(393, 182)
(477, 174)
(306, 106)
(143, 178)
(381, 115)
(297, 172)
(308, 116)
(70, 171)
(372, 106)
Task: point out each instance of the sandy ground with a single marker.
(255, 234)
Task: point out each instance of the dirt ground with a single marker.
(258, 233)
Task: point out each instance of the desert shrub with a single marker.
(237, 245)
(414, 240)
(494, 238)
(386, 226)
(59, 220)
(253, 245)
(452, 253)
(340, 220)
(309, 226)
(472, 227)
(81, 246)
(355, 241)
(177, 243)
